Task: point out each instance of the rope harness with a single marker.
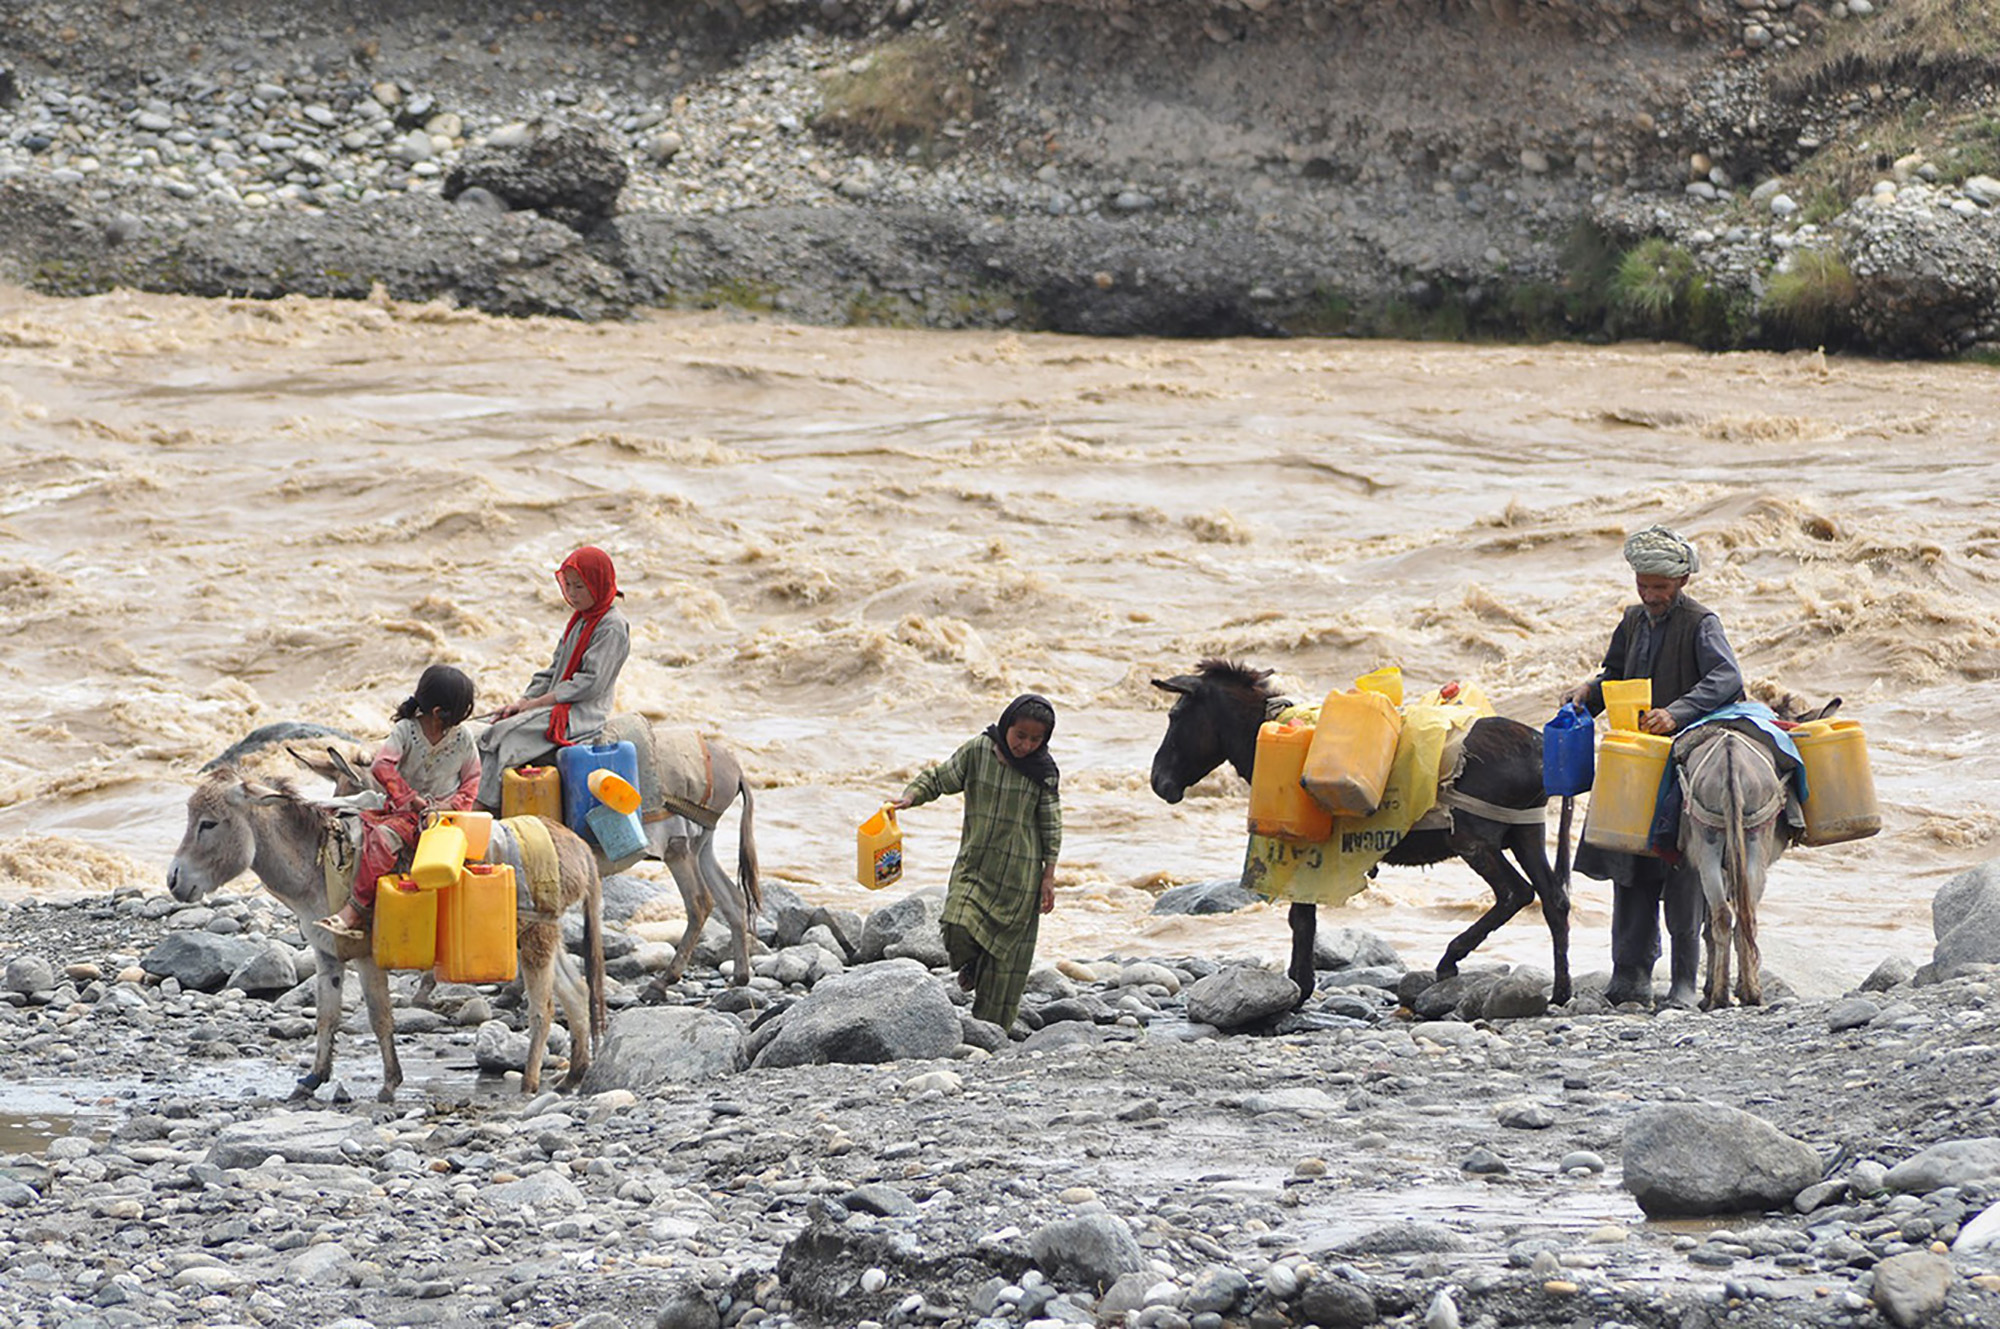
(1708, 754)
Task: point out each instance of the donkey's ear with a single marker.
(1181, 683)
(345, 768)
(325, 769)
(1823, 713)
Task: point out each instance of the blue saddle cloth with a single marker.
(1754, 716)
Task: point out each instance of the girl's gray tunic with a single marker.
(524, 739)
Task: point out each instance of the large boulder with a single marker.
(1704, 1158)
(200, 961)
(1092, 1249)
(1952, 1163)
(656, 1045)
(570, 173)
(889, 1011)
(1241, 996)
(1965, 919)
(273, 967)
(1223, 896)
(297, 1137)
(1922, 275)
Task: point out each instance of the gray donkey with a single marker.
(236, 825)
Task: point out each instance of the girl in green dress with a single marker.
(1003, 880)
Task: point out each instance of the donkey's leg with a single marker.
(539, 943)
(729, 902)
(1749, 959)
(1526, 844)
(326, 996)
(1511, 892)
(375, 991)
(679, 857)
(1304, 919)
(1715, 992)
(572, 993)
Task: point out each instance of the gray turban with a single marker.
(1659, 552)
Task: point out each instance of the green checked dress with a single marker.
(993, 910)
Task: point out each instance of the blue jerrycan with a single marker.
(1568, 756)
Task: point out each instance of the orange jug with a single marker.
(476, 926)
(1353, 748)
(1279, 805)
(879, 850)
(531, 791)
(406, 924)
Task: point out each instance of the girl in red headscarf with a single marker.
(570, 700)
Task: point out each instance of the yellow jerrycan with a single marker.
(441, 852)
(1279, 805)
(1388, 680)
(1625, 700)
(406, 924)
(476, 926)
(1353, 748)
(878, 846)
(1629, 769)
(1840, 787)
(478, 828)
(531, 791)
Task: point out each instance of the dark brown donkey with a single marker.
(1215, 719)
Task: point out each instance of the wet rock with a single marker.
(497, 1046)
(881, 1012)
(1093, 1249)
(296, 1137)
(1240, 997)
(271, 969)
(1222, 896)
(201, 961)
(908, 926)
(1912, 1287)
(1353, 948)
(1700, 1158)
(652, 1046)
(1953, 1163)
(1521, 993)
(569, 172)
(1334, 1303)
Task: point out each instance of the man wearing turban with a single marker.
(1679, 645)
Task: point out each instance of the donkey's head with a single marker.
(221, 836)
(1214, 719)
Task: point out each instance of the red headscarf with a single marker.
(601, 580)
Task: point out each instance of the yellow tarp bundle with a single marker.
(1334, 872)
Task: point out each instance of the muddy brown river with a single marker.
(843, 551)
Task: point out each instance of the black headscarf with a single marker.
(1038, 765)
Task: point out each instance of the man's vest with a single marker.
(1675, 670)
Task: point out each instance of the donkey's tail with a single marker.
(1562, 841)
(593, 942)
(746, 853)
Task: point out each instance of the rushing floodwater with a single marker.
(844, 551)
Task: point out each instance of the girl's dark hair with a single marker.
(443, 689)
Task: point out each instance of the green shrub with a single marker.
(905, 94)
(1812, 298)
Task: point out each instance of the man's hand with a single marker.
(1659, 721)
(1577, 696)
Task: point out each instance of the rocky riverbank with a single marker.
(1157, 1144)
(1767, 172)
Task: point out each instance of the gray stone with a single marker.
(656, 1045)
(909, 922)
(1091, 1249)
(327, 1262)
(1241, 996)
(296, 1137)
(270, 969)
(28, 975)
(498, 1047)
(1333, 1303)
(880, 1012)
(568, 172)
(1526, 1116)
(1953, 1163)
(1518, 994)
(1912, 1287)
(1353, 948)
(686, 1306)
(1225, 895)
(544, 1190)
(1704, 1158)
(624, 894)
(200, 961)
(1852, 1013)
(1893, 972)
(875, 1198)
(1405, 1238)
(1218, 1290)
(1981, 1235)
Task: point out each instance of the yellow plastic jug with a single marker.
(1629, 768)
(476, 926)
(440, 854)
(1625, 700)
(406, 924)
(478, 828)
(614, 791)
(531, 791)
(878, 859)
(1279, 805)
(1388, 680)
(1840, 787)
(1353, 747)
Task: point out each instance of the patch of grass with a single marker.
(739, 293)
(879, 309)
(905, 92)
(1660, 291)
(1812, 298)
